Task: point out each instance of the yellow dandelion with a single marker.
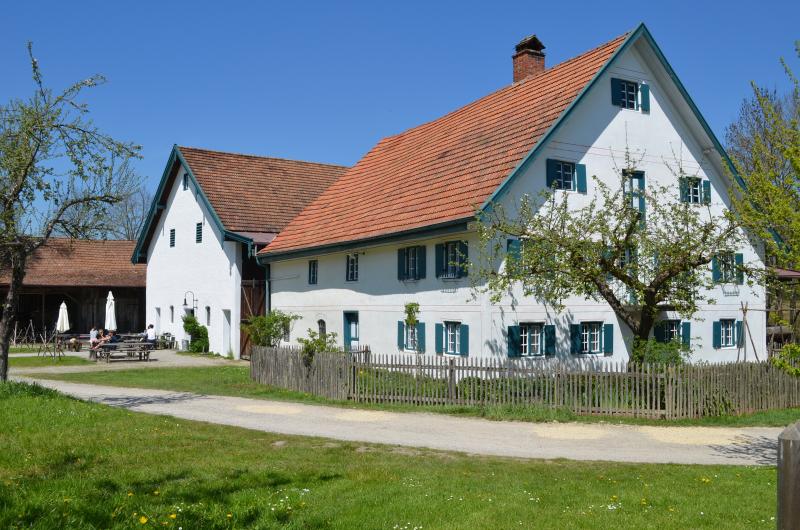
(130, 494)
(705, 480)
(173, 515)
(155, 492)
(230, 515)
(143, 519)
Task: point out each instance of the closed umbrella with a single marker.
(63, 319)
(111, 313)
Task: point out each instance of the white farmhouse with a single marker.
(387, 231)
(211, 213)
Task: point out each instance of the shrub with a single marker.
(788, 359)
(198, 334)
(655, 352)
(268, 330)
(316, 343)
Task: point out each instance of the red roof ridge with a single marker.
(263, 157)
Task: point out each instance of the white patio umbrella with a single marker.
(63, 319)
(111, 313)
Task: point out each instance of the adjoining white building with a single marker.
(385, 233)
(211, 213)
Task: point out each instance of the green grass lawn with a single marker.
(32, 348)
(44, 361)
(72, 464)
(235, 381)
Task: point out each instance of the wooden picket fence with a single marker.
(606, 388)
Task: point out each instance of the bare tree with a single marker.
(123, 219)
(58, 173)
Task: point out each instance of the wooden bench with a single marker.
(130, 349)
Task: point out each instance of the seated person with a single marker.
(93, 333)
(113, 338)
(102, 338)
(150, 335)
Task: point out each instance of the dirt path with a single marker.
(575, 441)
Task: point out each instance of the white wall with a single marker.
(210, 269)
(595, 134)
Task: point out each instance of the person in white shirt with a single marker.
(150, 334)
(93, 337)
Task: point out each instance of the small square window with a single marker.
(452, 339)
(171, 237)
(565, 176)
(629, 92)
(352, 268)
(591, 333)
(672, 330)
(313, 266)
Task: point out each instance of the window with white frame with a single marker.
(629, 91)
(727, 333)
(352, 267)
(412, 262)
(452, 260)
(452, 338)
(727, 267)
(672, 330)
(694, 190)
(531, 342)
(411, 338)
(313, 269)
(565, 176)
(591, 333)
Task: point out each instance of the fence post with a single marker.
(451, 380)
(789, 478)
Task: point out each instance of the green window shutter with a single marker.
(551, 172)
(642, 205)
(549, 339)
(464, 339)
(739, 333)
(706, 192)
(715, 274)
(717, 334)
(658, 332)
(513, 248)
(608, 339)
(616, 92)
(574, 338)
(644, 91)
(440, 265)
(580, 178)
(439, 332)
(463, 259)
(401, 264)
(686, 333)
(421, 262)
(739, 270)
(346, 333)
(514, 341)
(401, 335)
(683, 184)
(421, 337)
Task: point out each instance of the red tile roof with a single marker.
(443, 170)
(83, 263)
(256, 193)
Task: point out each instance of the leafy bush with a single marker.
(268, 330)
(197, 332)
(655, 352)
(788, 359)
(316, 343)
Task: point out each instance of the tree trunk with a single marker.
(10, 309)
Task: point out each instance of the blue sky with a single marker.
(324, 82)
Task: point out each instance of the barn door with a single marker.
(254, 298)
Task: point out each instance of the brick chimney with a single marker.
(529, 58)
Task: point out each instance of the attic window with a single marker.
(630, 95)
(185, 181)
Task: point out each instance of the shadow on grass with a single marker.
(760, 449)
(128, 402)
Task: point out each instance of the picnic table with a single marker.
(129, 348)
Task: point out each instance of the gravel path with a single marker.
(575, 441)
